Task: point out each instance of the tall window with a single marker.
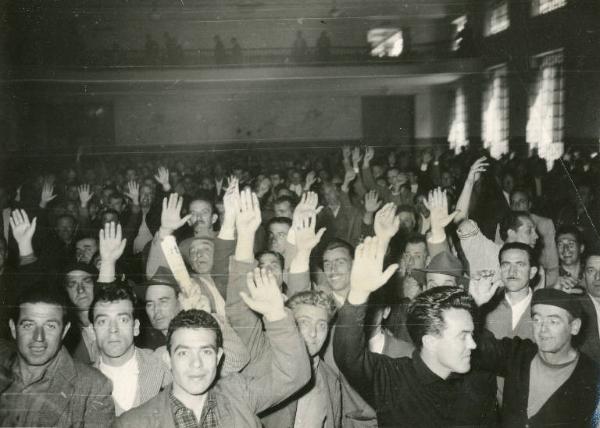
(496, 17)
(495, 112)
(539, 7)
(545, 124)
(457, 134)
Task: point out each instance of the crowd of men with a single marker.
(363, 290)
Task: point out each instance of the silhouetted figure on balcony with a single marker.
(151, 50)
(323, 47)
(236, 51)
(300, 48)
(219, 50)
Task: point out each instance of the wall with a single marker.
(230, 118)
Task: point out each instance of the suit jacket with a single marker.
(240, 397)
(77, 396)
(153, 375)
(589, 337)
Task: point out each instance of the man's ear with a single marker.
(136, 327)
(386, 312)
(532, 272)
(214, 218)
(429, 342)
(13, 328)
(575, 326)
(67, 327)
(427, 260)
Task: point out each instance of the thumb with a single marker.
(34, 223)
(248, 300)
(387, 274)
(450, 217)
(320, 233)
(183, 220)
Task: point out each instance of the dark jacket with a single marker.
(589, 342)
(77, 395)
(572, 405)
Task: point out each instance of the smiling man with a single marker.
(198, 396)
(137, 374)
(41, 384)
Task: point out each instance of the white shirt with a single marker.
(125, 382)
(518, 309)
(143, 237)
(377, 342)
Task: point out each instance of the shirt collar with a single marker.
(425, 375)
(523, 302)
(130, 367)
(209, 403)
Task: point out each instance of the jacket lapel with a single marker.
(61, 389)
(150, 377)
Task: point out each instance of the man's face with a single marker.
(109, 217)
(130, 174)
(80, 288)
(194, 360)
(569, 251)
(330, 195)
(116, 204)
(452, 348)
(272, 264)
(435, 279)
(201, 255)
(524, 234)
(284, 209)
(161, 306)
(337, 264)
(296, 178)
(275, 179)
(519, 202)
(515, 270)
(115, 327)
(396, 178)
(85, 249)
(552, 329)
(407, 221)
(591, 275)
(415, 256)
(146, 196)
(202, 215)
(39, 332)
(508, 183)
(277, 235)
(65, 229)
(313, 325)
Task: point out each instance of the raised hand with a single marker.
(111, 243)
(163, 178)
(367, 273)
(372, 202)
(346, 151)
(356, 157)
(308, 205)
(133, 192)
(249, 216)
(231, 201)
(479, 166)
(194, 299)
(23, 230)
(387, 223)
(568, 284)
(483, 288)
(437, 204)
(47, 194)
(311, 178)
(264, 295)
(85, 195)
(170, 218)
(369, 155)
(304, 228)
(392, 158)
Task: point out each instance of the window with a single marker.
(496, 17)
(539, 7)
(545, 124)
(457, 134)
(385, 42)
(495, 112)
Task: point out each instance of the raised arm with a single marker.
(464, 200)
(111, 248)
(349, 342)
(306, 240)
(437, 204)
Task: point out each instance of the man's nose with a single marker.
(39, 335)
(80, 288)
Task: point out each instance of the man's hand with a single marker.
(170, 219)
(387, 223)
(304, 228)
(477, 168)
(231, 203)
(308, 205)
(194, 300)
(163, 178)
(133, 192)
(372, 202)
(367, 273)
(111, 243)
(392, 158)
(85, 195)
(568, 284)
(311, 178)
(356, 157)
(248, 217)
(23, 231)
(483, 288)
(369, 155)
(264, 295)
(437, 204)
(410, 287)
(47, 194)
(346, 151)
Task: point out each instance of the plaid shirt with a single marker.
(185, 418)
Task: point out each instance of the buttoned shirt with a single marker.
(185, 418)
